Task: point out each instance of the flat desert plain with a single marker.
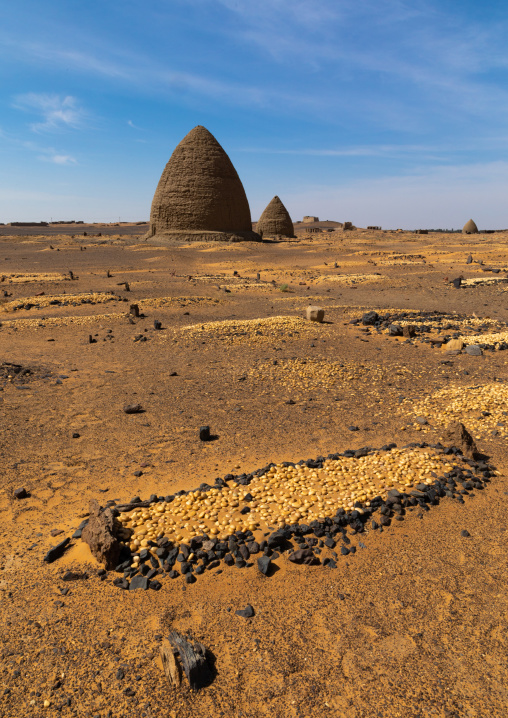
(410, 623)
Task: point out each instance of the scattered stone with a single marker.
(75, 435)
(454, 345)
(247, 612)
(99, 535)
(204, 433)
(457, 435)
(57, 551)
(421, 420)
(409, 331)
(304, 556)
(370, 318)
(465, 533)
(73, 576)
(133, 409)
(264, 565)
(473, 350)
(121, 583)
(315, 314)
(394, 330)
(139, 582)
(21, 493)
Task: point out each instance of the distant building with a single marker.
(374, 227)
(470, 228)
(308, 219)
(275, 220)
(27, 224)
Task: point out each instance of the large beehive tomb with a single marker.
(200, 195)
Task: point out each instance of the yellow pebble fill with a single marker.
(283, 495)
(466, 404)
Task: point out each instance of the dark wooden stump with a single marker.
(193, 659)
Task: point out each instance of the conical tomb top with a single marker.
(470, 228)
(199, 190)
(275, 220)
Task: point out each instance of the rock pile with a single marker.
(275, 220)
(452, 332)
(199, 195)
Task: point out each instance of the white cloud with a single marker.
(149, 75)
(396, 151)
(57, 111)
(45, 154)
(58, 159)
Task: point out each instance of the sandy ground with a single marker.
(414, 624)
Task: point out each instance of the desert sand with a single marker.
(412, 624)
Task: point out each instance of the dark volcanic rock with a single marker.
(204, 433)
(304, 555)
(246, 612)
(99, 535)
(264, 565)
(56, 551)
(133, 409)
(370, 318)
(139, 582)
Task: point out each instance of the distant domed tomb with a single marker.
(199, 195)
(470, 228)
(275, 220)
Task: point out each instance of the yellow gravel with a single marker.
(37, 323)
(34, 277)
(310, 374)
(495, 340)
(476, 281)
(257, 330)
(349, 279)
(465, 404)
(169, 301)
(283, 495)
(71, 300)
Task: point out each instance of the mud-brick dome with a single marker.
(470, 228)
(199, 190)
(275, 220)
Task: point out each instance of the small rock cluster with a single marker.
(454, 332)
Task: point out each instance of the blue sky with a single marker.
(372, 111)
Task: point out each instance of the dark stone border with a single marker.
(239, 547)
